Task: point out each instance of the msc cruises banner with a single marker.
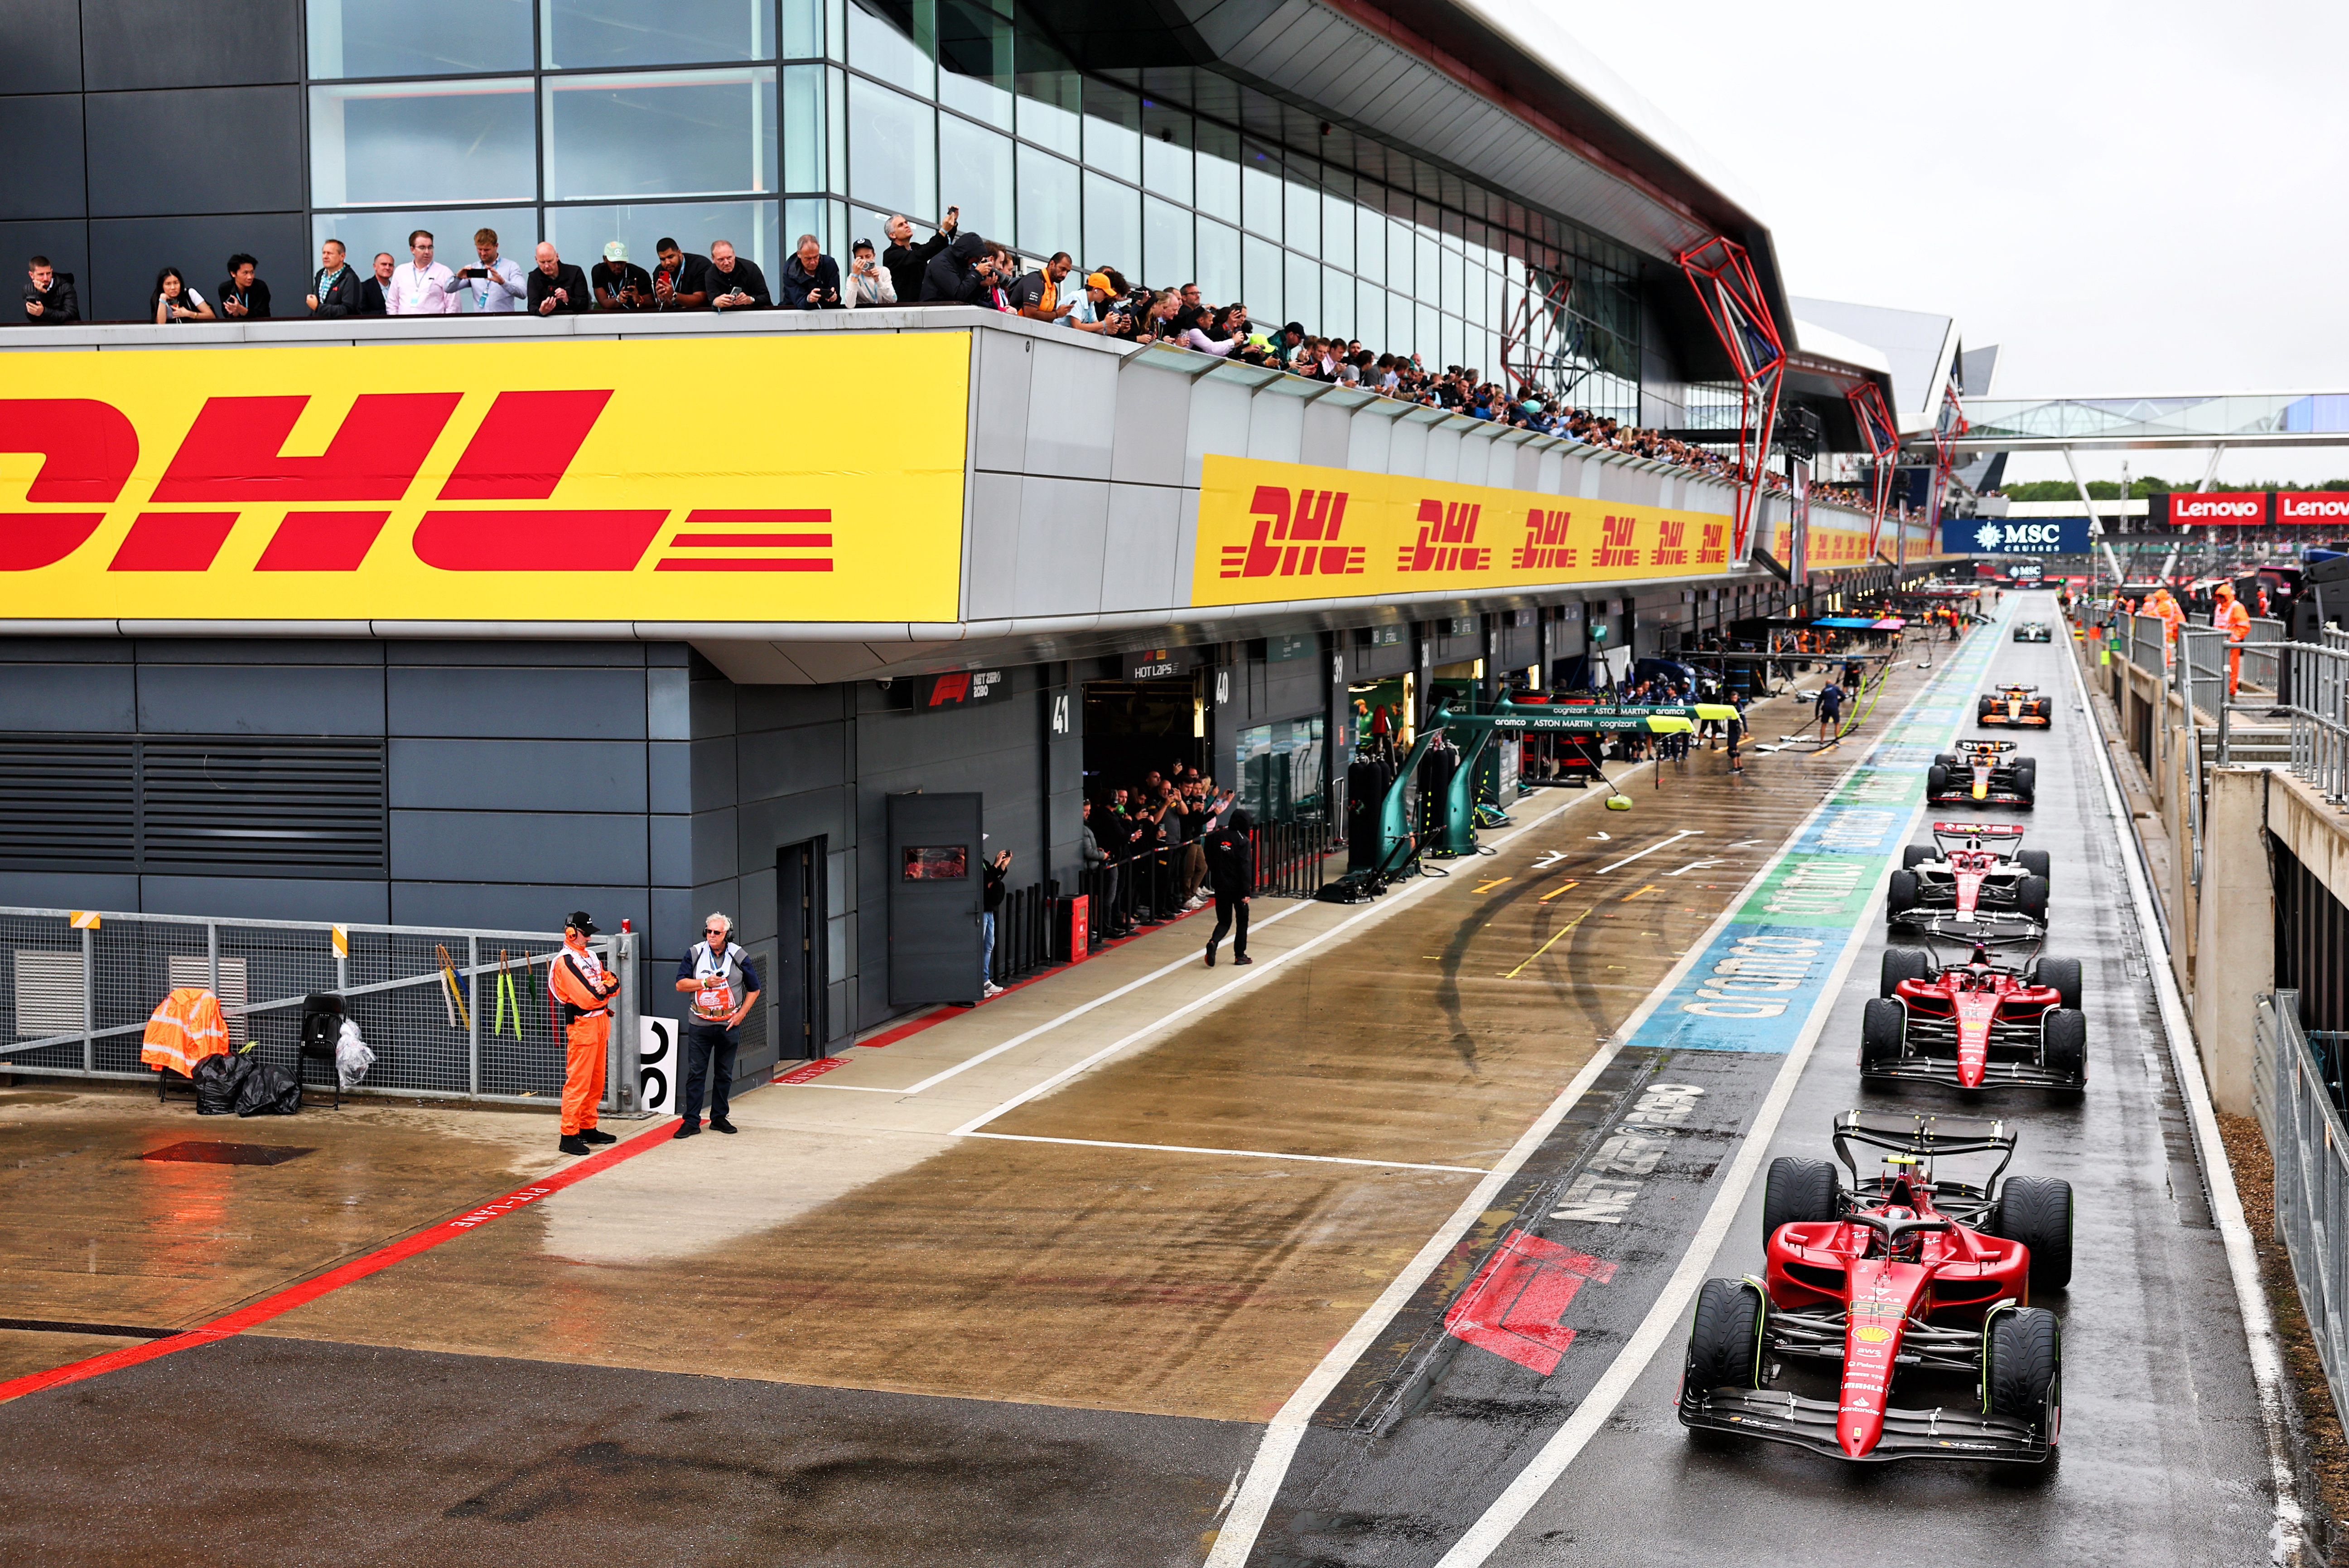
(701, 480)
(2015, 535)
(1275, 530)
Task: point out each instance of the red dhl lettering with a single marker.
(1545, 548)
(1671, 550)
(234, 451)
(1294, 536)
(1713, 548)
(1615, 548)
(1447, 540)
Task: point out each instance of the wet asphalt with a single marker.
(2163, 1457)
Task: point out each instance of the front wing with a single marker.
(1963, 795)
(1940, 1434)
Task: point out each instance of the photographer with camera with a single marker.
(868, 283)
(48, 299)
(811, 278)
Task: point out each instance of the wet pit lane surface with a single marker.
(2163, 1459)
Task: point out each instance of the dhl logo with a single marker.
(1545, 548)
(1616, 547)
(1447, 540)
(1294, 536)
(233, 458)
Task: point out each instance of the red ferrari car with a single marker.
(1973, 873)
(1975, 1024)
(1903, 1279)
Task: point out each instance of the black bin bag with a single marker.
(219, 1081)
(269, 1090)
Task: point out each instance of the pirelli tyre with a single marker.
(1724, 1347)
(2031, 897)
(1799, 1192)
(2037, 1211)
(1899, 893)
(2027, 777)
(2022, 1368)
(2063, 974)
(2063, 1042)
(2035, 862)
(1914, 854)
(1937, 781)
(1949, 760)
(1899, 964)
(1883, 1026)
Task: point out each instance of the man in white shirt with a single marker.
(420, 285)
(498, 284)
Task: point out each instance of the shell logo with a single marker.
(1871, 1334)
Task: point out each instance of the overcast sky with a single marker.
(2127, 198)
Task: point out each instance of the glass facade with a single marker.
(771, 117)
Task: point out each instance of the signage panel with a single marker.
(705, 479)
(2237, 506)
(2312, 508)
(1275, 531)
(2014, 536)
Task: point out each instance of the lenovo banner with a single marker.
(2231, 508)
(2312, 508)
(2014, 536)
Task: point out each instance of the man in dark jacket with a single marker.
(557, 287)
(960, 275)
(907, 261)
(48, 299)
(811, 278)
(735, 282)
(372, 301)
(335, 286)
(1231, 872)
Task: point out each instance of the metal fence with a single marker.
(2300, 1119)
(449, 1013)
(1291, 858)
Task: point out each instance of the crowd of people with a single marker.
(952, 267)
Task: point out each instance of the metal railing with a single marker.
(1024, 939)
(449, 1013)
(1290, 856)
(2299, 1114)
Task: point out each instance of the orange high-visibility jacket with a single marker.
(578, 980)
(2237, 620)
(185, 1030)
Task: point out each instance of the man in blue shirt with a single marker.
(718, 975)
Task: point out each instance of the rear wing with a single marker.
(1990, 928)
(1990, 747)
(2003, 690)
(1977, 830)
(1921, 1135)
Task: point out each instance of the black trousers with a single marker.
(707, 1044)
(1227, 910)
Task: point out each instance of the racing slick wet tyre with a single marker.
(2026, 778)
(2063, 1041)
(1725, 1337)
(2023, 1367)
(2031, 897)
(1899, 964)
(1883, 1026)
(2063, 975)
(1799, 1192)
(2037, 1211)
(1937, 781)
(1899, 893)
(2035, 862)
(1949, 760)
(1914, 853)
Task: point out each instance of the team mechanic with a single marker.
(578, 980)
(713, 973)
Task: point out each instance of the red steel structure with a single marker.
(1948, 426)
(1882, 438)
(1723, 275)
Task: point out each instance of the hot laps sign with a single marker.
(1275, 530)
(2014, 536)
(704, 480)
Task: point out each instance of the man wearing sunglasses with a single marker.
(719, 977)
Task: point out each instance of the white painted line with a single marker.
(1286, 1428)
(1235, 1153)
(1651, 849)
(2226, 1203)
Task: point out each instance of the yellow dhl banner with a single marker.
(1275, 530)
(1831, 546)
(815, 477)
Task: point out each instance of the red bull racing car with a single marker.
(1901, 1281)
(1976, 1024)
(2016, 706)
(1973, 872)
(1979, 772)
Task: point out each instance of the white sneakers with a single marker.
(992, 990)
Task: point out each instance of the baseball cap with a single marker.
(1100, 280)
(580, 921)
(616, 252)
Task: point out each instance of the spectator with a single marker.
(333, 287)
(1157, 324)
(420, 285)
(1191, 313)
(244, 297)
(1002, 271)
(1038, 295)
(1290, 339)
(907, 262)
(172, 300)
(48, 299)
(374, 297)
(811, 278)
(620, 283)
(991, 895)
(556, 287)
(735, 282)
(1098, 864)
(868, 282)
(724, 984)
(958, 274)
(680, 282)
(496, 285)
